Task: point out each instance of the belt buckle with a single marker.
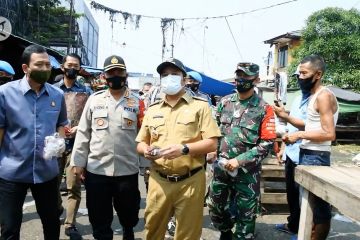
(173, 178)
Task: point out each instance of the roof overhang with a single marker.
(284, 38)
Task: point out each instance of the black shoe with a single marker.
(128, 234)
(226, 235)
(73, 233)
(63, 187)
(60, 211)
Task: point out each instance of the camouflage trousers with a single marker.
(234, 201)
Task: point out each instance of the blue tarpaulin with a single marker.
(214, 87)
(54, 63)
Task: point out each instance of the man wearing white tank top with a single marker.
(322, 115)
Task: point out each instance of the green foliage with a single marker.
(43, 21)
(333, 33)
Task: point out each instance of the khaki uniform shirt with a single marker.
(105, 140)
(188, 121)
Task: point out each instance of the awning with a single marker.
(212, 86)
(91, 69)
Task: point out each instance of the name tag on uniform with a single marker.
(99, 107)
(158, 116)
(129, 109)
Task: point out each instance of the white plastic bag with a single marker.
(222, 162)
(54, 146)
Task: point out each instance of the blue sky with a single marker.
(206, 46)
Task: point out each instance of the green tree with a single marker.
(333, 33)
(42, 21)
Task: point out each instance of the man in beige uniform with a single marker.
(182, 127)
(105, 146)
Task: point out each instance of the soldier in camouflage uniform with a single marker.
(247, 126)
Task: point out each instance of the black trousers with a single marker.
(293, 195)
(12, 197)
(103, 193)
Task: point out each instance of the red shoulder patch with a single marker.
(267, 130)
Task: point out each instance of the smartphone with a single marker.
(276, 103)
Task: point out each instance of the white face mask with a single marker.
(171, 84)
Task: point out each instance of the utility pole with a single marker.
(172, 40)
(203, 67)
(70, 26)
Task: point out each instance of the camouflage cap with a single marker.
(250, 69)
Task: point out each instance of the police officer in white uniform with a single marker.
(105, 147)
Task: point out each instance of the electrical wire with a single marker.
(233, 37)
(107, 9)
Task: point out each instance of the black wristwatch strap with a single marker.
(185, 150)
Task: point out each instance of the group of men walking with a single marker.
(173, 128)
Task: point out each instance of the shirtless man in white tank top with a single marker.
(322, 115)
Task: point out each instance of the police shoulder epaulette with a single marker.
(155, 103)
(134, 94)
(199, 98)
(99, 92)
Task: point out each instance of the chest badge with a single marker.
(129, 122)
(52, 104)
(100, 122)
(154, 134)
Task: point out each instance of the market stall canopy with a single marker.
(212, 86)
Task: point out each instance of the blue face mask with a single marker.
(171, 84)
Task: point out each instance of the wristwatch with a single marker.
(185, 150)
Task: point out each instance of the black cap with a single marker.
(171, 62)
(114, 62)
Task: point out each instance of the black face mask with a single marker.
(40, 76)
(306, 84)
(244, 85)
(71, 73)
(116, 82)
(193, 86)
(4, 80)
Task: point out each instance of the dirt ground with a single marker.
(340, 230)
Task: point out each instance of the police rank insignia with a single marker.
(114, 60)
(131, 102)
(100, 122)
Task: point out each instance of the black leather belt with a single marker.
(178, 178)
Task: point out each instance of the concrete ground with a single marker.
(32, 229)
(340, 229)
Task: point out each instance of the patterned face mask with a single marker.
(244, 85)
